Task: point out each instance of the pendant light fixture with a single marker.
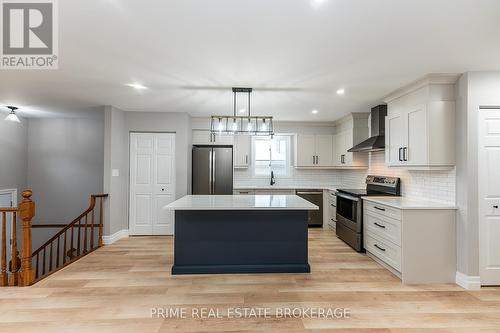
(12, 115)
(239, 124)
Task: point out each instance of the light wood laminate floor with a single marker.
(114, 289)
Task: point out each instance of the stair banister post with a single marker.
(26, 212)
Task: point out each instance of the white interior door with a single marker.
(152, 183)
(489, 196)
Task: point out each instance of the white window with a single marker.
(271, 155)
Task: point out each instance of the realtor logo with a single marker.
(29, 34)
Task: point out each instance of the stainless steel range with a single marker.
(350, 207)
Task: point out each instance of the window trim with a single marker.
(288, 138)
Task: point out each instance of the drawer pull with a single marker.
(382, 209)
(379, 225)
(333, 205)
(380, 248)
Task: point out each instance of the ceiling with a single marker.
(294, 53)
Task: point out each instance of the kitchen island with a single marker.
(228, 234)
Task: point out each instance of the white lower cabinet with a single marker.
(332, 210)
(417, 245)
(244, 192)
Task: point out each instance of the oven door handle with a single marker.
(347, 196)
(306, 192)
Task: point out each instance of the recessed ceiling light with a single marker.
(137, 86)
(340, 91)
(314, 111)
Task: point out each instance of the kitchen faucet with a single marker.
(273, 181)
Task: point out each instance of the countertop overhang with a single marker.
(241, 202)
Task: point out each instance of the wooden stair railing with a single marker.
(46, 262)
(22, 274)
(22, 271)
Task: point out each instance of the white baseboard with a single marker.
(107, 240)
(468, 282)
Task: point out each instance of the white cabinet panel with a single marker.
(394, 139)
(304, 150)
(324, 150)
(415, 152)
(242, 148)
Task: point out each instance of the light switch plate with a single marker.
(115, 172)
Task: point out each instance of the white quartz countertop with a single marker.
(287, 187)
(409, 203)
(241, 202)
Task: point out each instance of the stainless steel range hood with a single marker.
(377, 140)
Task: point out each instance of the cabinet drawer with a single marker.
(387, 228)
(333, 213)
(332, 224)
(371, 207)
(244, 192)
(385, 251)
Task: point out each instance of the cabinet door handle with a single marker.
(405, 154)
(399, 157)
(380, 248)
(379, 225)
(495, 206)
(317, 159)
(378, 208)
(246, 159)
(313, 159)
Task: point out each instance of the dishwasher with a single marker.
(315, 217)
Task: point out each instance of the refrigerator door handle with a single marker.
(210, 172)
(214, 166)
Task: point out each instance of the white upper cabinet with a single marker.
(313, 151)
(324, 150)
(420, 124)
(351, 130)
(203, 137)
(241, 152)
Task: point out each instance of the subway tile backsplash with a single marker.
(436, 185)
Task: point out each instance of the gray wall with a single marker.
(65, 159)
(474, 90)
(115, 157)
(118, 125)
(13, 154)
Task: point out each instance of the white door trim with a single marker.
(486, 277)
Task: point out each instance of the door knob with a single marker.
(162, 189)
(495, 206)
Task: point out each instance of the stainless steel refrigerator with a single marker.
(212, 169)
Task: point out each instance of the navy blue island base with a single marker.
(240, 241)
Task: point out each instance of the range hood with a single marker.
(377, 140)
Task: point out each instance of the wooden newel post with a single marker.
(26, 212)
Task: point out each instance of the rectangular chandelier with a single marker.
(241, 125)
